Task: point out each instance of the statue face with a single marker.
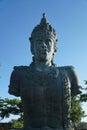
(43, 49)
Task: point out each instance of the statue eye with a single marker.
(48, 41)
(38, 42)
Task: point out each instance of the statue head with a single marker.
(43, 40)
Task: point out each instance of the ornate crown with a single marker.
(43, 29)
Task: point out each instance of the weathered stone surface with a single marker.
(44, 88)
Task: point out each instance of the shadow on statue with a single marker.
(45, 89)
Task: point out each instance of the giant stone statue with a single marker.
(45, 89)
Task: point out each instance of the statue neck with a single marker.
(41, 66)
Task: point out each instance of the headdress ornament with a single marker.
(43, 29)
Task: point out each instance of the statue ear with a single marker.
(55, 46)
(32, 48)
(32, 45)
(55, 49)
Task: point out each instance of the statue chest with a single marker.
(44, 97)
(40, 87)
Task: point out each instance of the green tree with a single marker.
(12, 106)
(17, 123)
(83, 96)
(76, 109)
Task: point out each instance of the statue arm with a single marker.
(14, 87)
(75, 86)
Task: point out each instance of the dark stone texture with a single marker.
(44, 88)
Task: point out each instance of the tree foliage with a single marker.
(76, 109)
(10, 106)
(17, 123)
(83, 96)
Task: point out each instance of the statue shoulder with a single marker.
(70, 71)
(20, 67)
(73, 77)
(18, 70)
(67, 69)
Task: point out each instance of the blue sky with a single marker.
(19, 17)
